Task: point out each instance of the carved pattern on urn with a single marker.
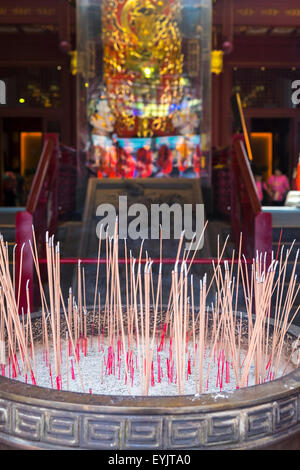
(62, 426)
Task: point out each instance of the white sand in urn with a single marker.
(98, 378)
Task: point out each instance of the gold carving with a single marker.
(142, 60)
(26, 11)
(293, 12)
(21, 11)
(46, 11)
(246, 11)
(269, 12)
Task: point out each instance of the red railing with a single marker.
(247, 217)
(52, 194)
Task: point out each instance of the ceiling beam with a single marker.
(35, 12)
(258, 13)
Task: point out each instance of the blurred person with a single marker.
(198, 155)
(279, 186)
(144, 166)
(106, 167)
(184, 157)
(164, 160)
(260, 186)
(125, 165)
(10, 188)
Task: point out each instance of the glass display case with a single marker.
(143, 69)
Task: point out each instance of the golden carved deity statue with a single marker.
(142, 64)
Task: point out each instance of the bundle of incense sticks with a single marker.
(133, 333)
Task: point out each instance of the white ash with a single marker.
(97, 381)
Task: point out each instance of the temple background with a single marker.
(261, 41)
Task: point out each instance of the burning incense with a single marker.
(141, 344)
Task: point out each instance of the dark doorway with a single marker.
(280, 129)
(21, 149)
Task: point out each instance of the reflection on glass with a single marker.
(144, 79)
(37, 87)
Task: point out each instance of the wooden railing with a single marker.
(41, 173)
(41, 213)
(51, 195)
(247, 217)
